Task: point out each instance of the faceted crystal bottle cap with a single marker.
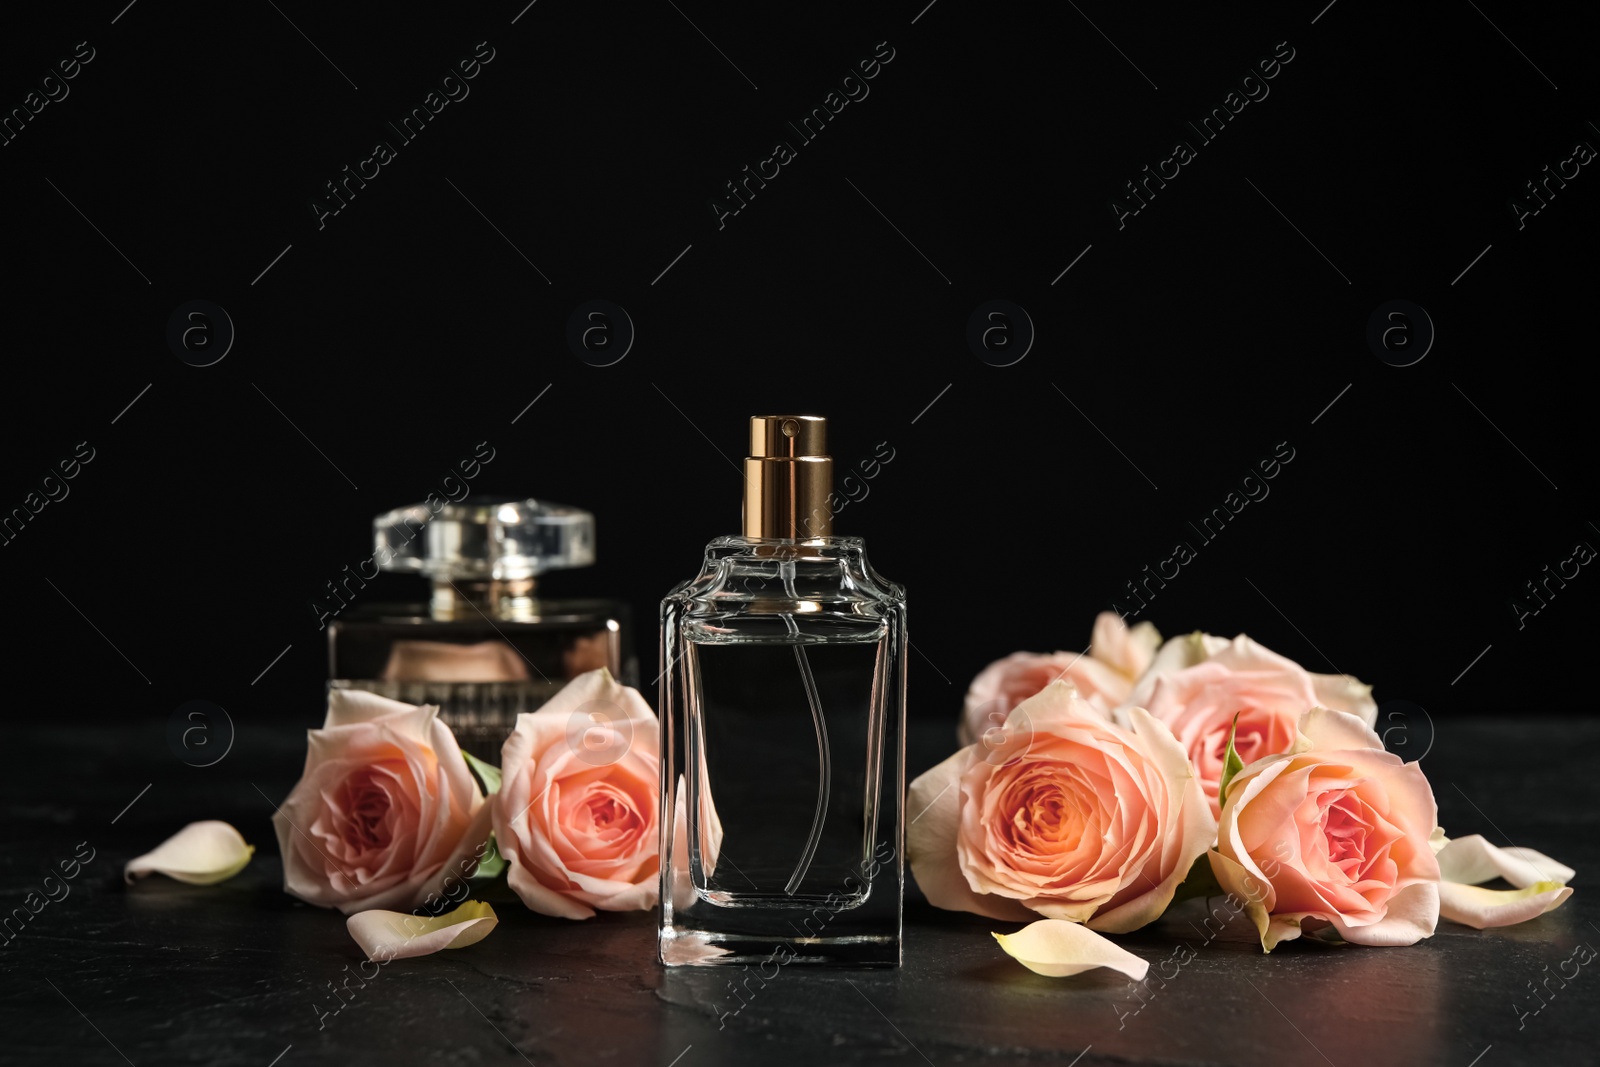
(492, 538)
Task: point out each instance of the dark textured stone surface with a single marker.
(239, 973)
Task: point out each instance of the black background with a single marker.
(1196, 338)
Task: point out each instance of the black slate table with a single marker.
(239, 974)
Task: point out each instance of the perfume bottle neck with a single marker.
(512, 600)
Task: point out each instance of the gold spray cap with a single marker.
(788, 477)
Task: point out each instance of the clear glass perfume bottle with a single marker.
(487, 646)
(783, 731)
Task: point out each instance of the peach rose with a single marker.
(446, 661)
(1104, 677)
(1128, 652)
(576, 817)
(1200, 684)
(1067, 815)
(1335, 833)
(386, 811)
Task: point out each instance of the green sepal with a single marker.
(1201, 881)
(1231, 765)
(487, 773)
(492, 865)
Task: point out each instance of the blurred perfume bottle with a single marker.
(486, 646)
(783, 731)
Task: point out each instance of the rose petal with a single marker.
(1176, 654)
(540, 898)
(1325, 730)
(1412, 914)
(934, 803)
(1056, 703)
(1256, 895)
(446, 661)
(1186, 650)
(1056, 948)
(348, 706)
(686, 951)
(556, 862)
(1000, 687)
(1482, 908)
(683, 894)
(1342, 692)
(202, 853)
(394, 935)
(437, 817)
(1473, 860)
(1190, 828)
(1128, 651)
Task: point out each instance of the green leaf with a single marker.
(1199, 882)
(1231, 765)
(487, 773)
(491, 865)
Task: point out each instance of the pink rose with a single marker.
(1067, 815)
(1199, 689)
(386, 813)
(575, 817)
(1104, 677)
(1335, 833)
